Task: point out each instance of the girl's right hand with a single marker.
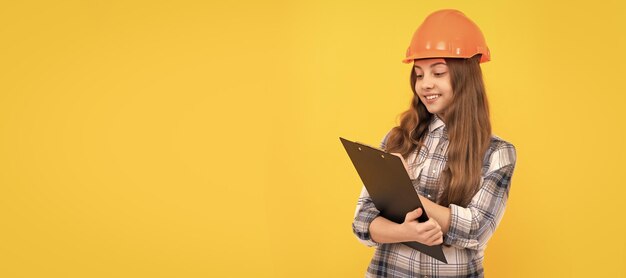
(427, 233)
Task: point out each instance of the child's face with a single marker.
(433, 84)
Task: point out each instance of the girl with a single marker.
(460, 171)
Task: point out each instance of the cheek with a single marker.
(447, 88)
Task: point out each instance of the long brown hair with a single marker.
(468, 125)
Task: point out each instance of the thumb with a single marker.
(412, 215)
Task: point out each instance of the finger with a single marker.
(431, 240)
(437, 238)
(418, 212)
(429, 225)
(430, 233)
(412, 215)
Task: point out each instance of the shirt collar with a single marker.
(435, 123)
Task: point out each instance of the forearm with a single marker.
(383, 230)
(441, 214)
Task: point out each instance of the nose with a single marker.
(426, 84)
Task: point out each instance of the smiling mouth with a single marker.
(431, 97)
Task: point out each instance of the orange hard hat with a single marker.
(447, 34)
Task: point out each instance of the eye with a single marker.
(438, 74)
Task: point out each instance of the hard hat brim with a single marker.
(438, 54)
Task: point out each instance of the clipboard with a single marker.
(390, 188)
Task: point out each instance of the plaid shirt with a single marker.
(470, 227)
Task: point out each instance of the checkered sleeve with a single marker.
(366, 212)
(471, 227)
(363, 217)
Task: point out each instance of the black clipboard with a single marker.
(390, 188)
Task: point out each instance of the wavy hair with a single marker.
(468, 125)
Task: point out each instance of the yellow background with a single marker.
(200, 139)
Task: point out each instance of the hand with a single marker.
(428, 233)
